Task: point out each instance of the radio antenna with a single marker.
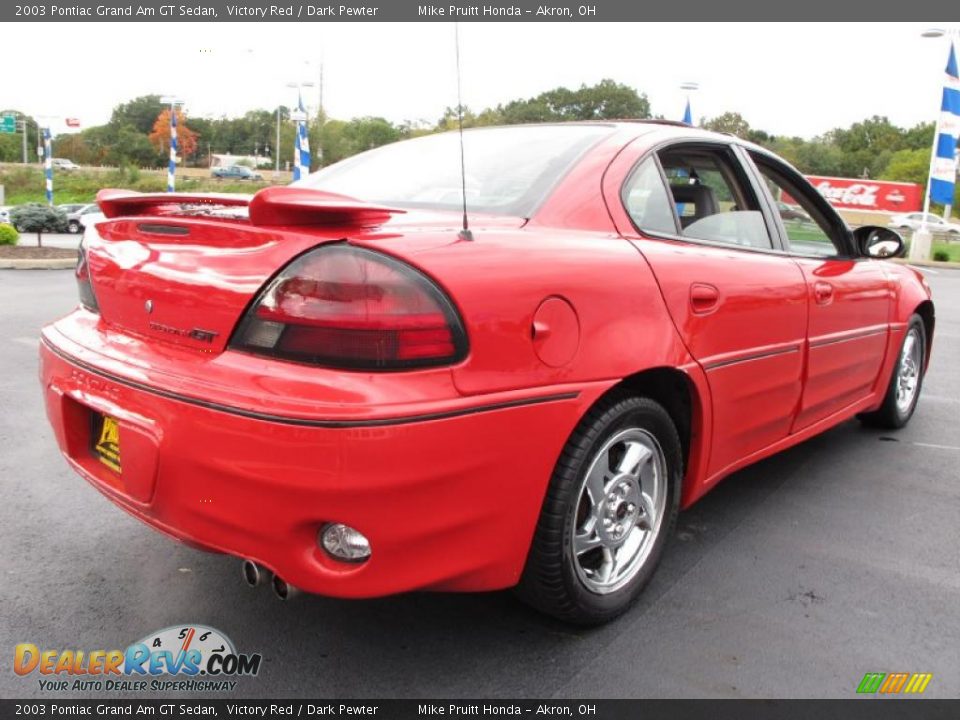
(465, 233)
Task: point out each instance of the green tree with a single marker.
(919, 137)
(139, 113)
(338, 139)
(131, 147)
(729, 122)
(34, 217)
(909, 166)
(11, 146)
(607, 100)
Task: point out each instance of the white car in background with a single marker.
(5, 214)
(64, 164)
(912, 221)
(81, 217)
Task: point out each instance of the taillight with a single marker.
(87, 298)
(349, 307)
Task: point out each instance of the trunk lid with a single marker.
(182, 269)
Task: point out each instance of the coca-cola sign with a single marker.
(874, 195)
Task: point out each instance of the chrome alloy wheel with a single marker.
(908, 371)
(621, 506)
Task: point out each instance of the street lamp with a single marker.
(172, 101)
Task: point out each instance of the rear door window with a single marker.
(712, 196)
(646, 199)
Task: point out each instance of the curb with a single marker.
(37, 264)
(929, 263)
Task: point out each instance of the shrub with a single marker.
(8, 234)
(34, 217)
(941, 255)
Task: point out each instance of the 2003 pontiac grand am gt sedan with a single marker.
(337, 383)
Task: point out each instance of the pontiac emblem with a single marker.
(148, 306)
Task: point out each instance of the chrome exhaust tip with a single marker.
(282, 589)
(253, 574)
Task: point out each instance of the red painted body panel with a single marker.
(445, 468)
(847, 337)
(447, 505)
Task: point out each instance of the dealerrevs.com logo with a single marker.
(178, 658)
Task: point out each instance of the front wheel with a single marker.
(611, 504)
(903, 392)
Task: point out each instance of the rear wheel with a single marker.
(74, 227)
(612, 501)
(903, 392)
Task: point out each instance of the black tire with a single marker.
(550, 581)
(73, 227)
(891, 415)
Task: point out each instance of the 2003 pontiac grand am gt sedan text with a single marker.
(335, 382)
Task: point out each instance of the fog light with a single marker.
(344, 543)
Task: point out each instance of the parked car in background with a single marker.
(64, 164)
(76, 220)
(793, 212)
(343, 385)
(5, 214)
(69, 208)
(912, 221)
(235, 172)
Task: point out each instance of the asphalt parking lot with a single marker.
(792, 579)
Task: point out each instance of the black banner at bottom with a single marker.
(853, 709)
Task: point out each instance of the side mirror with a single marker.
(878, 242)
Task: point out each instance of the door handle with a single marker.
(704, 298)
(822, 292)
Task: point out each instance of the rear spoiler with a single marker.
(272, 206)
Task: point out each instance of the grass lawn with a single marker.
(951, 249)
(26, 184)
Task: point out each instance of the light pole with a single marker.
(276, 147)
(172, 101)
(45, 152)
(689, 87)
(23, 126)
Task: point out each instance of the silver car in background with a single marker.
(912, 221)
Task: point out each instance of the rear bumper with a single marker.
(449, 502)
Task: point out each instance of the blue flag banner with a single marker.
(172, 165)
(943, 167)
(48, 164)
(301, 151)
(687, 115)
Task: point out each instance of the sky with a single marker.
(788, 79)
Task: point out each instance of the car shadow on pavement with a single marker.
(480, 645)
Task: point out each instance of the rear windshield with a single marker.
(509, 170)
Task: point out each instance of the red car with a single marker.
(339, 384)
